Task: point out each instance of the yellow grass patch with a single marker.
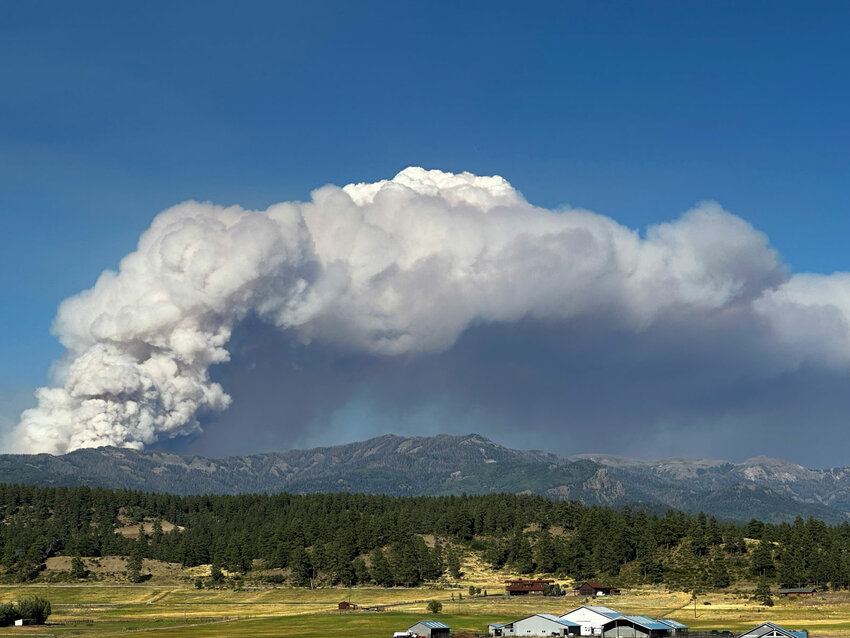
(132, 531)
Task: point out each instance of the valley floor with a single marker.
(177, 610)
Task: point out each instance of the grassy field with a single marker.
(180, 610)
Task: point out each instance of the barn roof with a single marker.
(673, 623)
(560, 621)
(645, 622)
(430, 624)
(550, 617)
(605, 611)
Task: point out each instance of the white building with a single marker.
(591, 618)
(772, 630)
(429, 629)
(536, 625)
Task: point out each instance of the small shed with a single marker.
(796, 591)
(496, 629)
(346, 606)
(636, 627)
(430, 629)
(772, 630)
(592, 588)
(542, 625)
(20, 622)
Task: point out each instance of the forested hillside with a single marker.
(356, 538)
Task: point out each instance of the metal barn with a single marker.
(430, 629)
(541, 625)
(636, 627)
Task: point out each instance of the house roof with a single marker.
(673, 623)
(552, 617)
(768, 627)
(560, 621)
(430, 624)
(644, 621)
(796, 590)
(605, 611)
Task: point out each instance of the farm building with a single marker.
(635, 627)
(678, 628)
(524, 586)
(536, 625)
(591, 618)
(345, 606)
(796, 591)
(772, 630)
(592, 588)
(429, 629)
(496, 629)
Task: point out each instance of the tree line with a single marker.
(357, 538)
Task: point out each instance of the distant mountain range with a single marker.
(765, 488)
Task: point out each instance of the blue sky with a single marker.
(111, 112)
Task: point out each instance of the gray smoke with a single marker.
(402, 266)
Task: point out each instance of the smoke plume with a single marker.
(398, 267)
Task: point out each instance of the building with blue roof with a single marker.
(536, 625)
(597, 620)
(636, 627)
(677, 627)
(430, 629)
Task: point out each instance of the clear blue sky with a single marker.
(110, 112)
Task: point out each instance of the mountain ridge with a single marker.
(760, 487)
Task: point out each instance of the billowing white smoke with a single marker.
(399, 266)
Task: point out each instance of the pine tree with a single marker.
(718, 574)
(380, 570)
(453, 564)
(361, 571)
(547, 560)
(78, 570)
(216, 574)
(134, 568)
(299, 567)
(762, 593)
(519, 553)
(761, 561)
